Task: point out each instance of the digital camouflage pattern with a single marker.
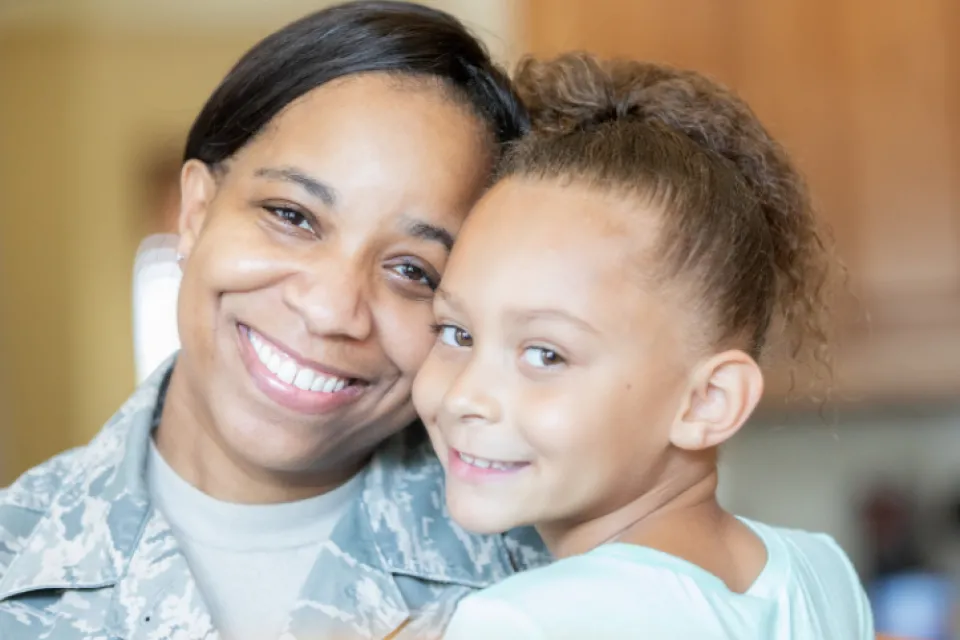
(84, 555)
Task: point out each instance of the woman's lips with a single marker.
(284, 378)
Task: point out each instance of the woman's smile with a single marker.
(291, 380)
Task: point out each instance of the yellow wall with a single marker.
(38, 182)
(79, 111)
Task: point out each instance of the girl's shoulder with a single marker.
(814, 572)
(623, 589)
(609, 592)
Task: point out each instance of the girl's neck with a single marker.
(189, 444)
(689, 495)
(681, 518)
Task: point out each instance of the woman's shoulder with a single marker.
(36, 488)
(49, 508)
(129, 426)
(25, 502)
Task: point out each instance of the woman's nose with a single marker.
(472, 398)
(332, 299)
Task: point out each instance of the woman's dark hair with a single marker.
(356, 37)
(736, 217)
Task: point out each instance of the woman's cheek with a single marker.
(430, 387)
(240, 256)
(405, 333)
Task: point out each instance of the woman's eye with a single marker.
(291, 217)
(416, 274)
(542, 358)
(454, 336)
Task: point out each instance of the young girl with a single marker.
(599, 327)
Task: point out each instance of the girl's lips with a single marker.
(476, 469)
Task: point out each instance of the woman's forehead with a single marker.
(369, 123)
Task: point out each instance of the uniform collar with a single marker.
(405, 510)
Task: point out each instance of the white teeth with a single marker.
(483, 463)
(304, 379)
(274, 362)
(287, 370)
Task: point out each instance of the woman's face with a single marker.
(309, 268)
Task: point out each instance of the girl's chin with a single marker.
(479, 520)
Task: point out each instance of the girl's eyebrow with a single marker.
(555, 315)
(524, 316)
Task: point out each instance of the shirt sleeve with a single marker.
(484, 618)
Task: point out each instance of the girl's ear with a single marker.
(724, 392)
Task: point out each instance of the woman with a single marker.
(264, 486)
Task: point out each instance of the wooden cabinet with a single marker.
(866, 96)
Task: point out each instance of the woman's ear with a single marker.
(724, 391)
(198, 186)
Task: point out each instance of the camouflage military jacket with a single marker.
(84, 555)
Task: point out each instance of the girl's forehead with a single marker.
(522, 246)
(537, 218)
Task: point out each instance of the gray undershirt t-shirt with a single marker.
(249, 561)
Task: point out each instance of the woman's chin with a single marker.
(272, 448)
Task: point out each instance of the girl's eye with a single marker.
(291, 217)
(542, 358)
(454, 336)
(416, 274)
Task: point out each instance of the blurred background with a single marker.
(96, 97)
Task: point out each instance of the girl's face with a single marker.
(310, 268)
(558, 370)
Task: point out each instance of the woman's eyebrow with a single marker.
(315, 187)
(427, 231)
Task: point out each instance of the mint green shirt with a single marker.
(808, 590)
